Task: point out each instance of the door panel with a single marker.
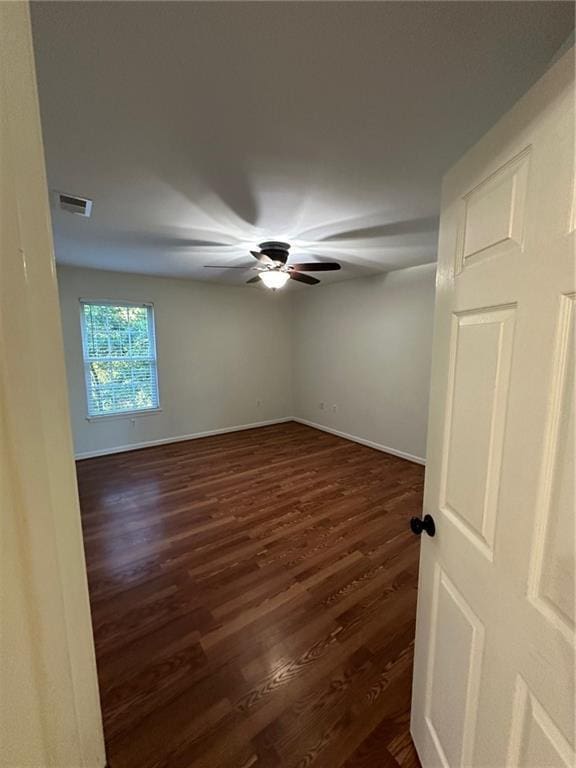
(494, 662)
(454, 672)
(478, 392)
(535, 740)
(493, 213)
(551, 585)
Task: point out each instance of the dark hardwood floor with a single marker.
(253, 598)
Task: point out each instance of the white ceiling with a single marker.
(201, 129)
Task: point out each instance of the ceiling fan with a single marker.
(273, 270)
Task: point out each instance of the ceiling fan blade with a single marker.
(316, 266)
(253, 280)
(262, 258)
(301, 278)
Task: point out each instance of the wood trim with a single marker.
(178, 438)
(50, 713)
(363, 441)
(226, 430)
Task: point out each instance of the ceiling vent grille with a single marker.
(78, 205)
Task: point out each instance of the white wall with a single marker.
(220, 349)
(365, 346)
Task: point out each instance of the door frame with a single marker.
(49, 708)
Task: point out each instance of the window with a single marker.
(119, 357)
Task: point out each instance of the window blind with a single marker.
(119, 357)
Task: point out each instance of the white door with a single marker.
(494, 667)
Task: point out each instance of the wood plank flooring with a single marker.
(253, 598)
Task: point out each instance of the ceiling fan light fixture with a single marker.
(274, 279)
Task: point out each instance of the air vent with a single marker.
(78, 205)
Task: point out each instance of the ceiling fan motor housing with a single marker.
(275, 250)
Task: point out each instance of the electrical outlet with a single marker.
(322, 405)
(334, 408)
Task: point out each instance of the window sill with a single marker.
(124, 415)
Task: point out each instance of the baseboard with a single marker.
(363, 441)
(179, 438)
(240, 428)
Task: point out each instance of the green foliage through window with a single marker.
(119, 357)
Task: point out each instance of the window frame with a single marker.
(85, 359)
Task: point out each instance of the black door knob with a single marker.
(427, 524)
